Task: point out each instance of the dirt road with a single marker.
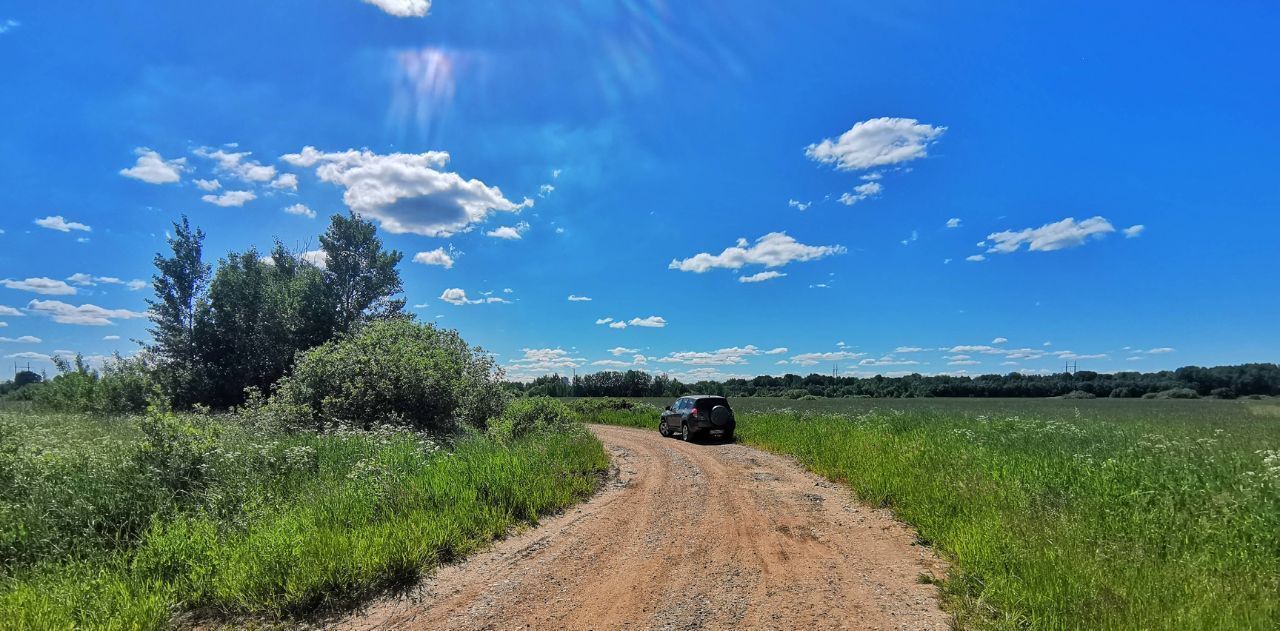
(687, 536)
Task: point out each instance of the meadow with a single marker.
(1057, 514)
(127, 522)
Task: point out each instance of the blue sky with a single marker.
(1113, 167)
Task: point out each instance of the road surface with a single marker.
(686, 536)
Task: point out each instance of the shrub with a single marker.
(1223, 393)
(1079, 394)
(533, 415)
(1177, 393)
(1123, 392)
(392, 372)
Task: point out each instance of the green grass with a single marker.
(1098, 514)
(103, 527)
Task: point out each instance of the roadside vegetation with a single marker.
(289, 443)
(1057, 514)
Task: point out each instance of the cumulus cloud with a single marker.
(604, 320)
(573, 298)
(152, 168)
(1160, 351)
(861, 192)
(89, 280)
(25, 339)
(776, 351)
(300, 210)
(887, 360)
(545, 190)
(285, 182)
(230, 198)
(875, 143)
(617, 325)
(86, 314)
(40, 285)
(1059, 235)
(403, 8)
(406, 192)
(56, 222)
(799, 205)
(909, 349)
(318, 258)
(110, 338)
(622, 350)
(27, 355)
(655, 322)
(953, 222)
(772, 250)
(975, 258)
(456, 296)
(810, 359)
(1133, 231)
(1000, 340)
(759, 277)
(733, 355)
(236, 164)
(508, 232)
(437, 256)
(545, 359)
(208, 185)
(9, 311)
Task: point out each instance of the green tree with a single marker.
(361, 276)
(180, 283)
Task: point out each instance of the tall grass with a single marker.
(115, 524)
(1064, 515)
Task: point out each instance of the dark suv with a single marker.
(695, 415)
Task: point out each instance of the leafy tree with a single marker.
(361, 276)
(179, 283)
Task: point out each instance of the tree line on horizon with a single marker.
(1226, 382)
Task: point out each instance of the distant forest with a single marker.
(1225, 382)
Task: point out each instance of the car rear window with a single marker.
(708, 403)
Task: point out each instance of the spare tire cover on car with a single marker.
(721, 415)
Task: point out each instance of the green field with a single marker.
(1059, 514)
(121, 523)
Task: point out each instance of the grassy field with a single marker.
(1059, 514)
(123, 523)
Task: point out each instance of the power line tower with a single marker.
(1070, 367)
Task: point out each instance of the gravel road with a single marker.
(687, 536)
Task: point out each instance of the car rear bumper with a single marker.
(711, 428)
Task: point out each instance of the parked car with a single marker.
(698, 415)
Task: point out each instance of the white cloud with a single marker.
(622, 350)
(915, 236)
(617, 325)
(573, 298)
(136, 284)
(545, 190)
(953, 222)
(9, 25)
(546, 359)
(772, 250)
(110, 338)
(56, 222)
(27, 355)
(208, 185)
(41, 285)
(964, 362)
(286, 181)
(975, 258)
(230, 198)
(1000, 340)
(876, 142)
(1059, 235)
(455, 296)
(604, 320)
(761, 276)
(26, 339)
(1160, 351)
(776, 351)
(861, 192)
(437, 256)
(888, 361)
(909, 349)
(9, 311)
(406, 192)
(301, 210)
(235, 165)
(723, 357)
(86, 314)
(1133, 231)
(611, 363)
(403, 8)
(799, 205)
(318, 258)
(152, 168)
(508, 232)
(655, 322)
(810, 359)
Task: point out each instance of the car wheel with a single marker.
(662, 429)
(728, 437)
(685, 433)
